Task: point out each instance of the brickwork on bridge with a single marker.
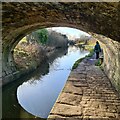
(88, 93)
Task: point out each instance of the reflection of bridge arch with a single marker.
(21, 18)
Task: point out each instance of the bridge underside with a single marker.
(19, 19)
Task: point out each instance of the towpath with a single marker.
(87, 94)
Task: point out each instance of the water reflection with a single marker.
(9, 99)
(38, 96)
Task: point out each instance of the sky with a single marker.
(70, 32)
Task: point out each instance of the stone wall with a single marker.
(111, 65)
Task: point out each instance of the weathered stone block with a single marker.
(66, 98)
(70, 88)
(66, 110)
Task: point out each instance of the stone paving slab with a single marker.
(88, 94)
(67, 110)
(70, 99)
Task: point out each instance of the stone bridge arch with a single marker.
(18, 19)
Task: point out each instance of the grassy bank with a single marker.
(79, 60)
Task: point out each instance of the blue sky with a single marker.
(70, 32)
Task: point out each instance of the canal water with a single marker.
(34, 95)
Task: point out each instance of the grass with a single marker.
(77, 63)
(90, 54)
(79, 60)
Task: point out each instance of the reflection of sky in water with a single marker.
(38, 97)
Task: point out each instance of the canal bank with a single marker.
(88, 93)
